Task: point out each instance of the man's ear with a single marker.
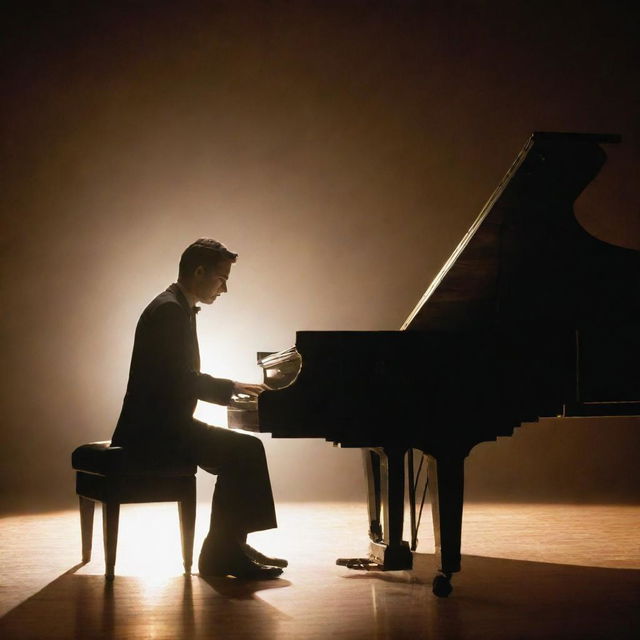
(199, 272)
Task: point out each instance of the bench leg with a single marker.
(187, 511)
(86, 526)
(110, 517)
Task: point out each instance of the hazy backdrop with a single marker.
(341, 148)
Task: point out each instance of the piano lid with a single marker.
(526, 258)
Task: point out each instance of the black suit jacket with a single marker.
(165, 382)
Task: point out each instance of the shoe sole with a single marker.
(263, 574)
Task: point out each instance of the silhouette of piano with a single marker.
(530, 317)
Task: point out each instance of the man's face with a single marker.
(209, 284)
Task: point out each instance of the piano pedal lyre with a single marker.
(384, 470)
(413, 478)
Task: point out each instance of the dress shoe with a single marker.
(260, 558)
(232, 562)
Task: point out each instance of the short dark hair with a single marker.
(205, 252)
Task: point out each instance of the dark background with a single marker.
(341, 148)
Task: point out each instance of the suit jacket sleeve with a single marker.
(176, 359)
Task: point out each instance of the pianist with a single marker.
(157, 424)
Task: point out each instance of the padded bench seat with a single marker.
(103, 459)
(111, 476)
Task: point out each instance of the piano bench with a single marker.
(107, 475)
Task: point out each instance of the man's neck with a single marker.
(191, 298)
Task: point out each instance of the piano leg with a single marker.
(393, 553)
(371, 463)
(446, 484)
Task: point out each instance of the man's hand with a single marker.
(248, 389)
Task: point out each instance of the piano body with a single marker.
(530, 317)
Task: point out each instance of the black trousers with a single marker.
(242, 500)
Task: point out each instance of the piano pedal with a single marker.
(359, 564)
(396, 557)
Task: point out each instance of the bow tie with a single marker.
(195, 310)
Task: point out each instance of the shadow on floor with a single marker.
(499, 598)
(493, 598)
(87, 606)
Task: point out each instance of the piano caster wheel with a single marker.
(442, 585)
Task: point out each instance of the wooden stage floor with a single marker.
(529, 571)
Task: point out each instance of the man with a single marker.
(156, 423)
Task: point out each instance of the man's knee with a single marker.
(231, 450)
(253, 445)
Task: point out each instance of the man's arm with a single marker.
(175, 357)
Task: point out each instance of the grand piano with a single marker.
(530, 317)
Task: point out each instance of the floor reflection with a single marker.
(505, 598)
(508, 599)
(577, 588)
(82, 606)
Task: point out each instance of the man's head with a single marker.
(204, 269)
